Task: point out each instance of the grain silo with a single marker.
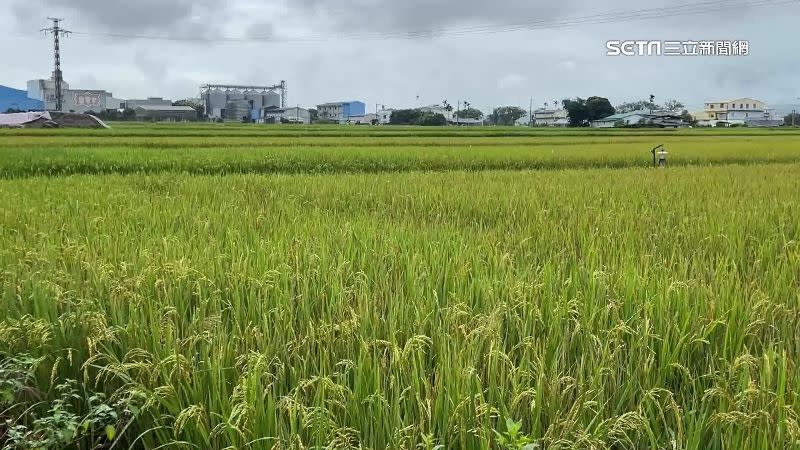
(255, 98)
(272, 98)
(237, 109)
(215, 103)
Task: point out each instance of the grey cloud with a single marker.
(157, 17)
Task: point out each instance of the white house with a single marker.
(385, 116)
(735, 111)
(543, 117)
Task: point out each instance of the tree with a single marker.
(673, 105)
(128, 114)
(636, 106)
(313, 114)
(688, 118)
(405, 117)
(431, 119)
(598, 108)
(576, 111)
(13, 110)
(469, 113)
(792, 119)
(506, 115)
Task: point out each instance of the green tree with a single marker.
(792, 119)
(576, 111)
(313, 114)
(470, 113)
(673, 105)
(598, 108)
(128, 114)
(688, 118)
(405, 117)
(432, 120)
(506, 115)
(637, 106)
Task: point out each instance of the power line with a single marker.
(596, 19)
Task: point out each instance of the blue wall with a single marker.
(353, 108)
(17, 99)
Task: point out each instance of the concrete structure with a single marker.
(292, 115)
(734, 111)
(385, 116)
(341, 111)
(165, 113)
(11, 98)
(543, 117)
(74, 100)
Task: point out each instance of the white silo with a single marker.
(272, 98)
(255, 97)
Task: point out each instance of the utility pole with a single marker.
(57, 32)
(530, 113)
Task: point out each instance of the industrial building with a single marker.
(274, 114)
(149, 101)
(237, 102)
(167, 113)
(341, 111)
(74, 100)
(17, 99)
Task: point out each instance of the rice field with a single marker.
(398, 288)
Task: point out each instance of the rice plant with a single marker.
(562, 309)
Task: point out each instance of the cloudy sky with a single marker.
(382, 51)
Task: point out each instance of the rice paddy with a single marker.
(401, 288)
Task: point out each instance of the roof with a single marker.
(22, 118)
(165, 108)
(339, 103)
(736, 100)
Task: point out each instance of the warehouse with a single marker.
(165, 113)
(16, 99)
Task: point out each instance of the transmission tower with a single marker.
(57, 33)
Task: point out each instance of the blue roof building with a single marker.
(11, 98)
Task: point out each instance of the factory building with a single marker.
(149, 101)
(73, 100)
(17, 99)
(235, 102)
(341, 111)
(296, 114)
(165, 113)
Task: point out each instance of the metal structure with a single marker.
(57, 32)
(220, 98)
(659, 156)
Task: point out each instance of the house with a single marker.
(341, 111)
(544, 117)
(385, 116)
(363, 119)
(659, 119)
(624, 119)
(438, 109)
(735, 111)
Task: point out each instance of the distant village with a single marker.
(267, 104)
